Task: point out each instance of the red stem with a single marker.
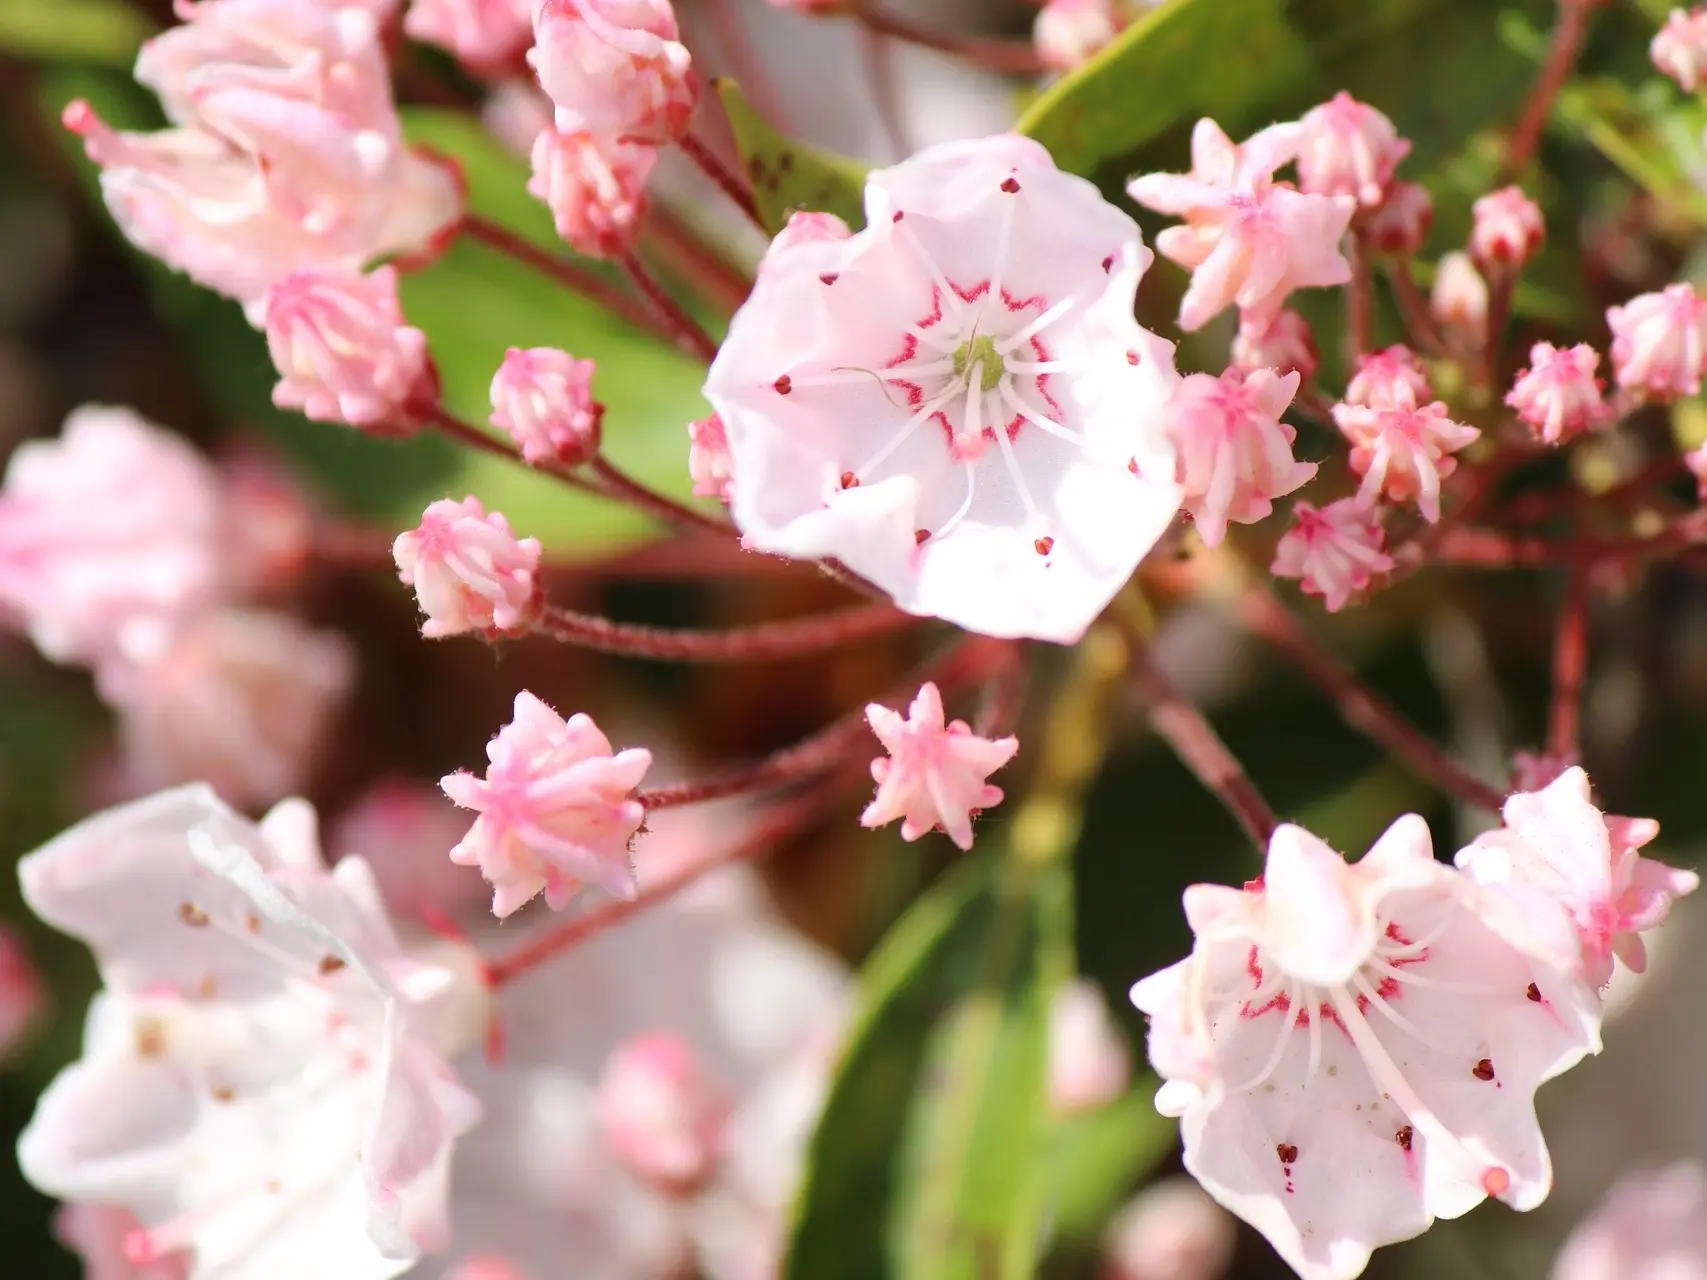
(454, 428)
(693, 257)
(572, 275)
(1568, 35)
(1489, 549)
(1359, 303)
(765, 642)
(1532, 508)
(661, 505)
(1420, 327)
(1570, 669)
(681, 328)
(1260, 610)
(1012, 57)
(732, 184)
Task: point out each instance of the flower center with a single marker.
(980, 353)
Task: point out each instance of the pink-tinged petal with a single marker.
(97, 1234)
(661, 1112)
(1651, 1225)
(1335, 551)
(469, 570)
(934, 775)
(1349, 148)
(480, 33)
(1285, 344)
(1170, 1231)
(1659, 342)
(614, 67)
(1376, 381)
(1459, 300)
(1235, 455)
(1680, 48)
(1559, 395)
(1068, 32)
(595, 187)
(543, 398)
(1403, 449)
(709, 461)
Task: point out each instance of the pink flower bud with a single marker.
(1286, 345)
(1680, 48)
(1090, 1062)
(1334, 551)
(544, 398)
(1171, 1230)
(1459, 300)
(556, 810)
(404, 830)
(21, 992)
(487, 1266)
(934, 775)
(659, 1111)
(469, 571)
(1349, 149)
(614, 67)
(1401, 224)
(242, 699)
(1659, 342)
(1558, 394)
(341, 347)
(516, 113)
(709, 462)
(1068, 32)
(1507, 231)
(1235, 454)
(1403, 450)
(594, 187)
(485, 35)
(1380, 374)
(270, 528)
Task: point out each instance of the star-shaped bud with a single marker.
(556, 809)
(935, 773)
(1235, 454)
(1507, 230)
(1335, 551)
(660, 1111)
(1557, 851)
(1353, 1050)
(1680, 48)
(709, 463)
(469, 570)
(956, 402)
(1401, 224)
(1068, 32)
(543, 398)
(1403, 450)
(1459, 300)
(1558, 393)
(1659, 342)
(1285, 345)
(1349, 148)
(595, 187)
(1379, 374)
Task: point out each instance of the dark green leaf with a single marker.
(108, 32)
(787, 175)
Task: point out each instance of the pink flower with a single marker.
(1353, 1050)
(1247, 239)
(544, 398)
(934, 775)
(1659, 341)
(709, 463)
(288, 151)
(1285, 345)
(1068, 32)
(515, 113)
(485, 35)
(109, 537)
(342, 349)
(1403, 450)
(595, 188)
(404, 831)
(1557, 850)
(241, 699)
(555, 809)
(804, 226)
(1680, 48)
(1348, 148)
(956, 401)
(1652, 1225)
(1401, 224)
(288, 1057)
(1558, 394)
(1235, 454)
(1507, 230)
(1336, 551)
(21, 992)
(1459, 299)
(660, 1112)
(1170, 1230)
(614, 67)
(1090, 1064)
(1696, 461)
(469, 571)
(1379, 375)
(97, 1234)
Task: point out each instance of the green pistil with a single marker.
(981, 352)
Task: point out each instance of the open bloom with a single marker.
(544, 398)
(469, 570)
(614, 67)
(342, 349)
(1680, 48)
(957, 401)
(1557, 851)
(1353, 1050)
(1403, 450)
(1235, 454)
(1378, 375)
(1335, 551)
(1652, 1225)
(934, 775)
(109, 537)
(1659, 342)
(263, 1080)
(1507, 230)
(483, 34)
(1247, 239)
(595, 188)
(1348, 148)
(287, 152)
(709, 463)
(555, 809)
(1558, 394)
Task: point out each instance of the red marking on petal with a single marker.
(1133, 358)
(1496, 1181)
(830, 277)
(1108, 262)
(1132, 465)
(921, 536)
(1287, 1152)
(1533, 992)
(1403, 1137)
(1483, 1070)
(1011, 185)
(849, 480)
(1044, 545)
(898, 216)
(783, 385)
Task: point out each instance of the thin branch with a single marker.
(1413, 306)
(1359, 303)
(732, 184)
(454, 428)
(1570, 668)
(650, 500)
(681, 327)
(1490, 549)
(765, 642)
(567, 272)
(1013, 57)
(1569, 33)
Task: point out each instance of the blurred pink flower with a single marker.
(484, 35)
(1067, 32)
(1374, 384)
(1235, 454)
(1401, 224)
(1247, 240)
(709, 463)
(595, 188)
(515, 113)
(1659, 342)
(1459, 299)
(1507, 230)
(97, 1234)
(1090, 1062)
(342, 349)
(1332, 1130)
(543, 398)
(404, 830)
(1348, 148)
(1335, 551)
(1680, 48)
(22, 995)
(469, 570)
(934, 775)
(1285, 345)
(1652, 1225)
(1403, 450)
(614, 67)
(660, 1112)
(556, 809)
(1558, 393)
(1170, 1230)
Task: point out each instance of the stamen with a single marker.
(1288, 1022)
(1004, 238)
(1410, 977)
(912, 424)
(1011, 461)
(952, 305)
(1393, 1015)
(842, 377)
(969, 440)
(1042, 322)
(1011, 398)
(966, 503)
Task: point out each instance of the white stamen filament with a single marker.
(1004, 238)
(972, 422)
(847, 377)
(1049, 317)
(952, 304)
(900, 437)
(1288, 1023)
(966, 503)
(1011, 398)
(1011, 461)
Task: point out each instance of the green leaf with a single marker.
(1096, 1157)
(1651, 134)
(107, 32)
(788, 175)
(928, 1163)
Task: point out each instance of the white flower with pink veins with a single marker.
(263, 1081)
(956, 402)
(1353, 1050)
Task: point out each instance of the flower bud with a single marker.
(1659, 342)
(1680, 48)
(659, 1112)
(1090, 1063)
(709, 461)
(1171, 1230)
(1507, 229)
(1349, 149)
(1286, 346)
(1558, 394)
(614, 67)
(543, 398)
(1380, 374)
(484, 35)
(1459, 300)
(594, 187)
(1068, 32)
(469, 571)
(1401, 224)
